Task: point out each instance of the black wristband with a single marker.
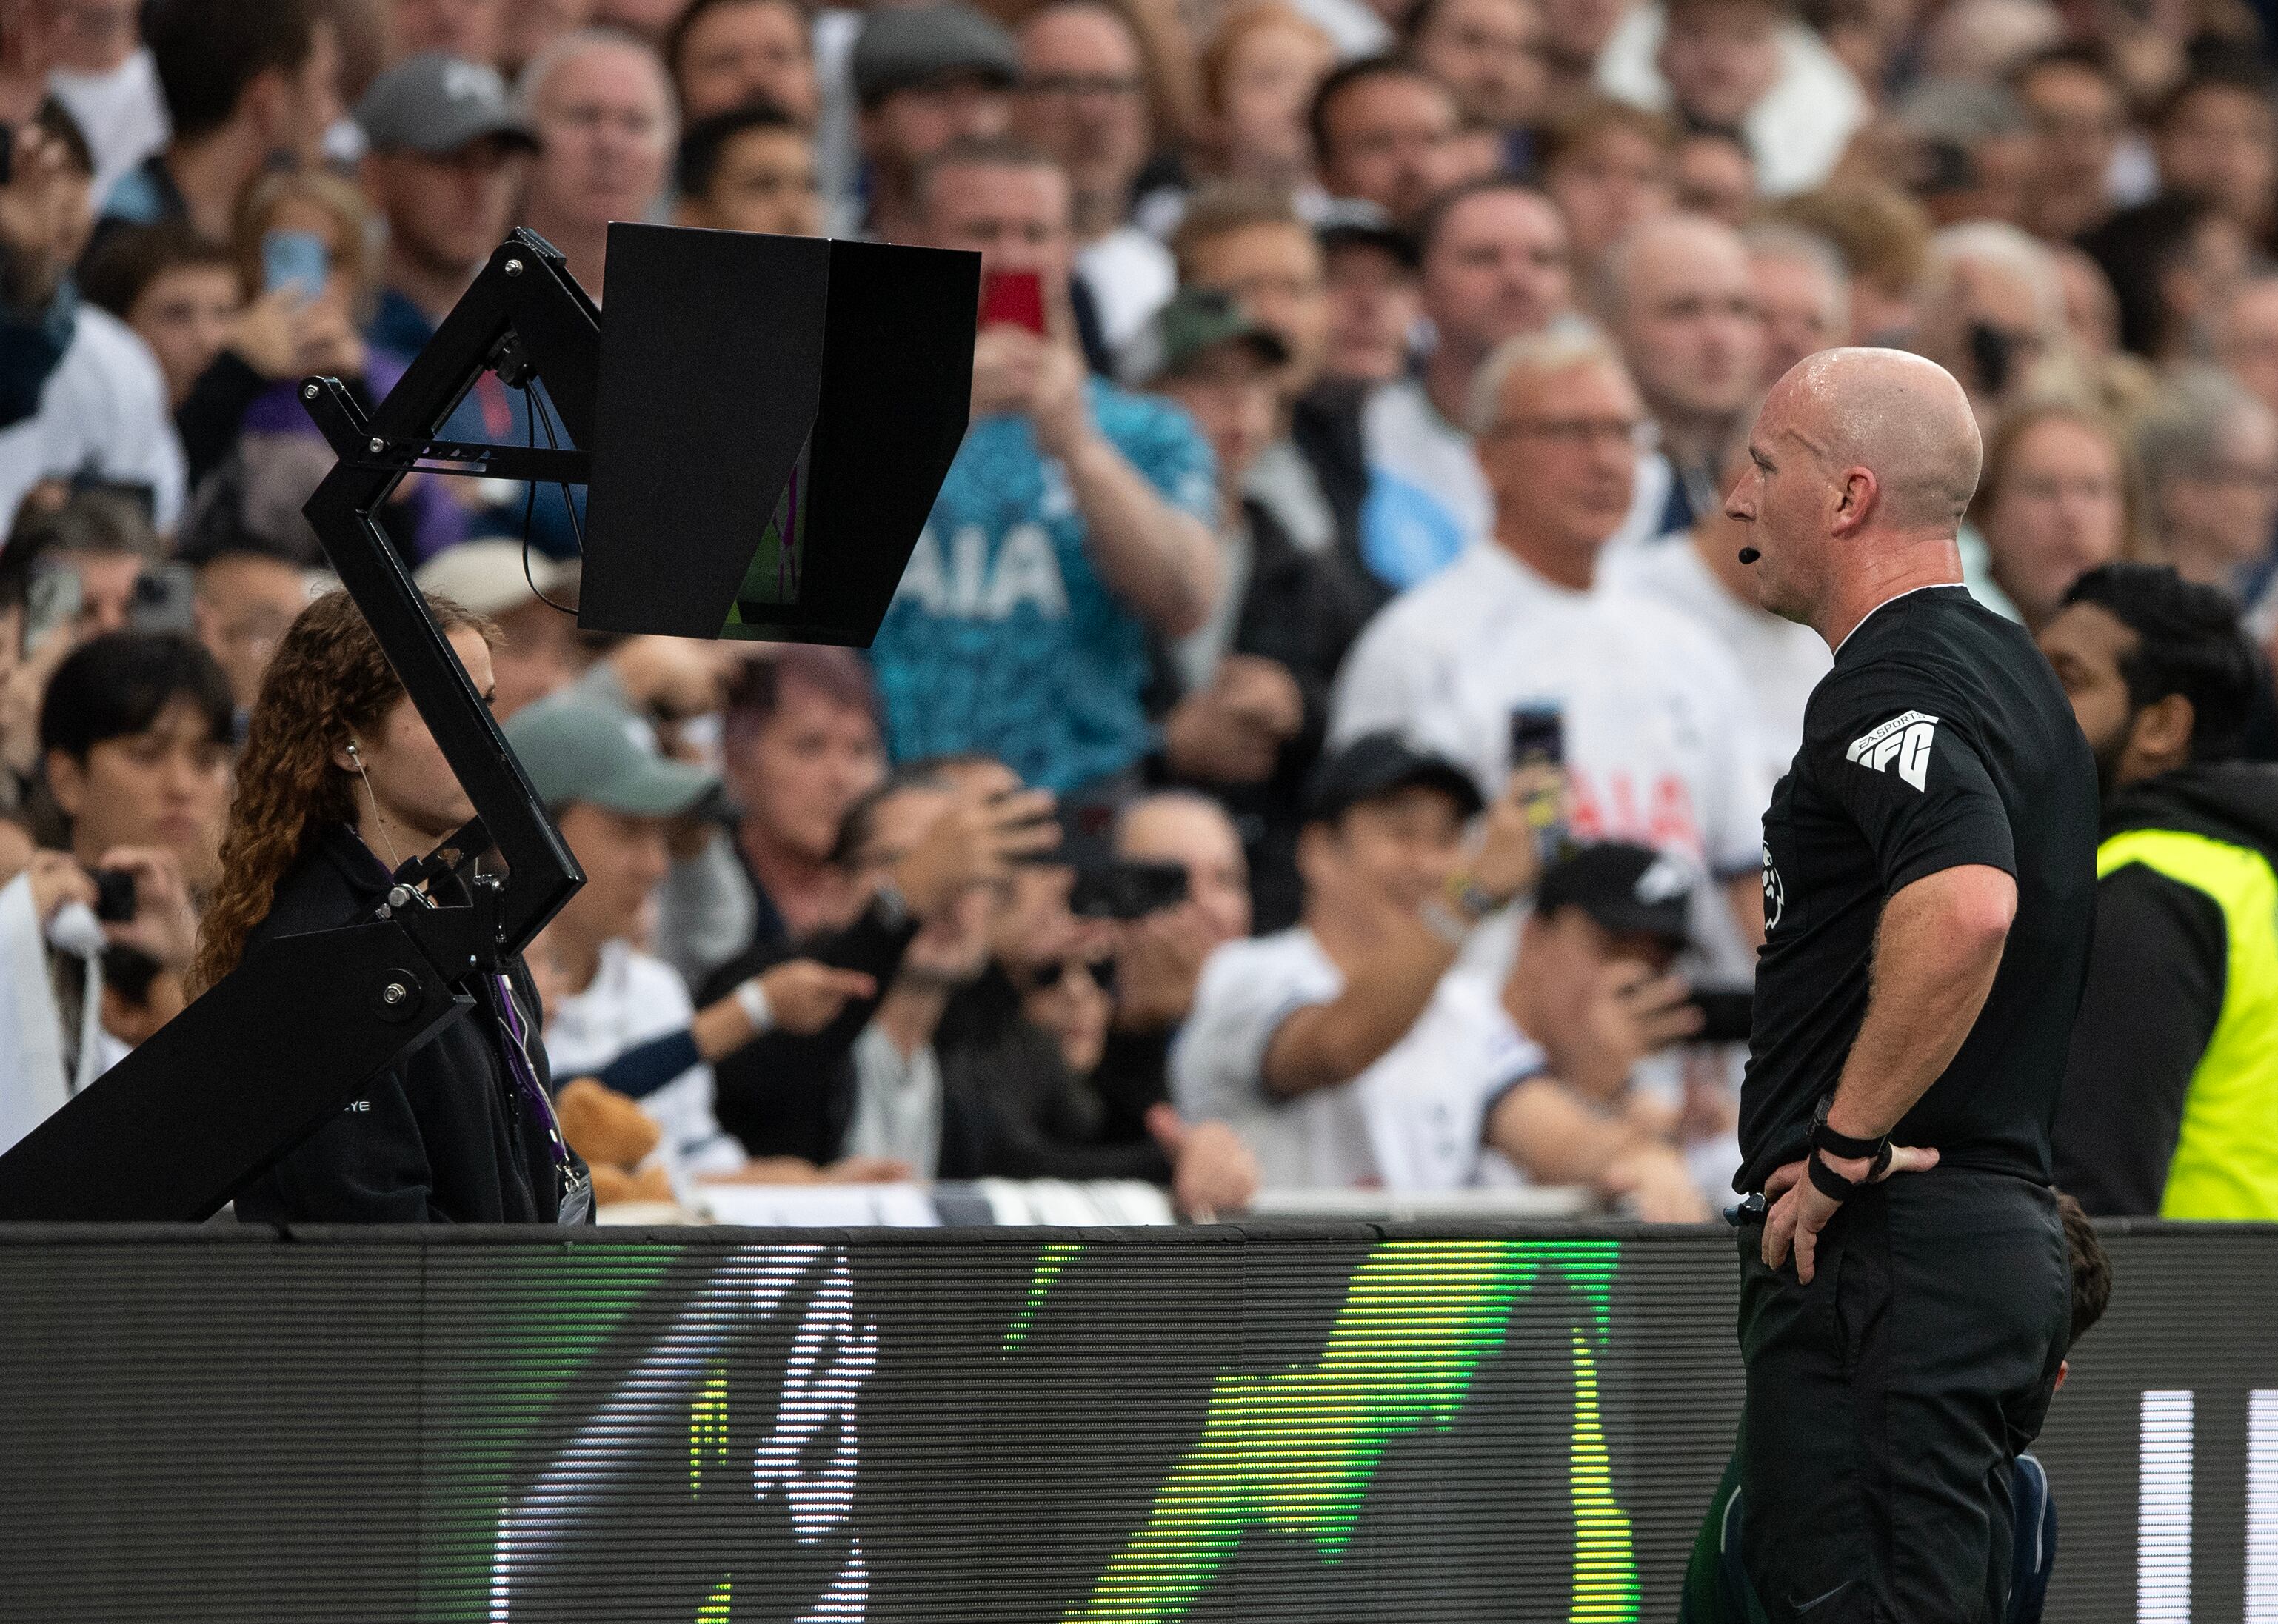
(1827, 1181)
(1842, 1147)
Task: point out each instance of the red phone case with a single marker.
(1014, 298)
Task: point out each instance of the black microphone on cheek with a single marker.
(1749, 555)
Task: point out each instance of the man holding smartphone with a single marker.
(1308, 1042)
(136, 731)
(1930, 874)
(1072, 525)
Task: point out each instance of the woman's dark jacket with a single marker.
(440, 1138)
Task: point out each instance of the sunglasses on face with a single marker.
(1045, 977)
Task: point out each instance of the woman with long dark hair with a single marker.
(339, 783)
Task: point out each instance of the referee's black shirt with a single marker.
(1939, 739)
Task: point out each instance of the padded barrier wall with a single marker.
(1354, 1422)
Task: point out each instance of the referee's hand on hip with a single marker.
(1801, 1210)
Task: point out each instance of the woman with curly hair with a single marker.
(338, 784)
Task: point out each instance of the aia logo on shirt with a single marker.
(1902, 743)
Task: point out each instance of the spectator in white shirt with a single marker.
(1083, 102)
(108, 80)
(1552, 1049)
(1656, 717)
(1679, 296)
(1289, 1032)
(1495, 264)
(1746, 64)
(614, 797)
(2055, 502)
(104, 411)
(1700, 576)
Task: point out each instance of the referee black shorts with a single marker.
(1886, 1399)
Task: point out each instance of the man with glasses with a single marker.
(1083, 101)
(2209, 453)
(1655, 718)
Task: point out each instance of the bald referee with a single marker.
(1930, 869)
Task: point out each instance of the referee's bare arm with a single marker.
(1937, 951)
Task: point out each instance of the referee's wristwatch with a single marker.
(1825, 1140)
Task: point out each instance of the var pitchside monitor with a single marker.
(775, 415)
(1344, 1424)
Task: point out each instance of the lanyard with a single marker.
(575, 1189)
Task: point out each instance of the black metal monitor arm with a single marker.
(525, 318)
(295, 1031)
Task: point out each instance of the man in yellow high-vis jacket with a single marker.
(2170, 1098)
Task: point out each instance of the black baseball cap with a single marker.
(1631, 890)
(1376, 764)
(1352, 223)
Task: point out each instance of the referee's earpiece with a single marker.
(1748, 555)
(352, 750)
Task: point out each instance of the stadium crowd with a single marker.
(1321, 737)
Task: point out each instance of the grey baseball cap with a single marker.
(900, 49)
(576, 751)
(432, 103)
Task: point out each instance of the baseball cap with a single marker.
(1374, 766)
(1195, 320)
(1631, 890)
(1356, 223)
(577, 750)
(486, 576)
(433, 103)
(899, 50)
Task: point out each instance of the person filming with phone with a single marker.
(96, 938)
(1289, 1033)
(1072, 525)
